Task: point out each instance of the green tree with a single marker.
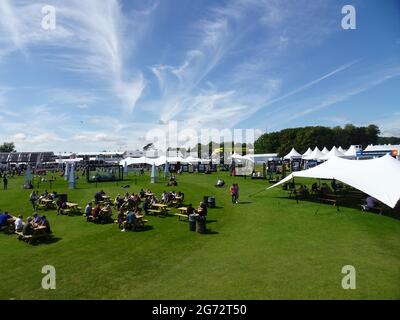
(7, 147)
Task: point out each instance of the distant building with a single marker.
(374, 151)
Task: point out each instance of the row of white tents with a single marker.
(376, 177)
(323, 155)
(188, 160)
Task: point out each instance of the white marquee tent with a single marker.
(351, 152)
(333, 153)
(315, 155)
(325, 150)
(376, 177)
(308, 152)
(293, 154)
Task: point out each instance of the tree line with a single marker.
(302, 138)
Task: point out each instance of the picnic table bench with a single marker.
(72, 208)
(39, 233)
(158, 209)
(47, 204)
(332, 198)
(181, 215)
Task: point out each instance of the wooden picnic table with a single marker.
(38, 233)
(159, 208)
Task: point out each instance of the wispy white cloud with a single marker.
(94, 36)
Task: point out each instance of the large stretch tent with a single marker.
(376, 177)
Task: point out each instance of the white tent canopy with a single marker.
(293, 154)
(351, 152)
(315, 155)
(333, 153)
(341, 150)
(325, 150)
(308, 152)
(376, 177)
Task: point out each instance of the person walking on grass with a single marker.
(237, 193)
(233, 193)
(5, 182)
(33, 198)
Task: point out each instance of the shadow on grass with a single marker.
(211, 221)
(244, 202)
(210, 232)
(343, 203)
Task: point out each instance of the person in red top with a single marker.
(96, 211)
(233, 193)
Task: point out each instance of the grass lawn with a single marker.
(266, 247)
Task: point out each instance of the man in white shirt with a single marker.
(18, 224)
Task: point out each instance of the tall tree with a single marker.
(7, 147)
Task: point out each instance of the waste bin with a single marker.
(201, 225)
(205, 200)
(211, 202)
(192, 222)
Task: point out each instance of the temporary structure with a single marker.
(351, 152)
(308, 152)
(325, 150)
(315, 155)
(293, 154)
(376, 177)
(28, 174)
(166, 169)
(341, 150)
(153, 177)
(71, 177)
(333, 153)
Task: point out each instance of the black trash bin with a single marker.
(192, 223)
(201, 225)
(205, 200)
(211, 202)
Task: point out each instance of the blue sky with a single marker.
(113, 70)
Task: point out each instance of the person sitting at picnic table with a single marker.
(202, 209)
(181, 195)
(4, 219)
(61, 205)
(314, 188)
(37, 220)
(96, 211)
(98, 197)
(45, 223)
(53, 195)
(129, 222)
(325, 190)
(88, 210)
(369, 203)
(120, 218)
(145, 206)
(19, 224)
(190, 209)
(164, 197)
(303, 191)
(118, 201)
(28, 227)
(107, 211)
(142, 193)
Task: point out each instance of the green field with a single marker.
(266, 247)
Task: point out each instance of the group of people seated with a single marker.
(26, 228)
(172, 197)
(172, 182)
(98, 214)
(48, 196)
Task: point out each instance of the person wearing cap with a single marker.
(28, 227)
